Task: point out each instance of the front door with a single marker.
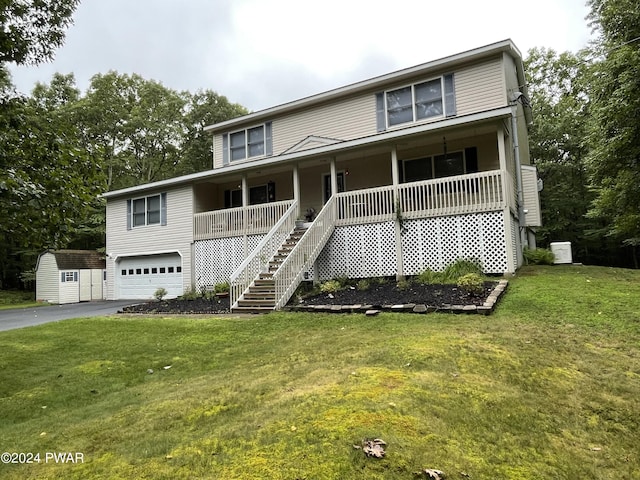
(326, 183)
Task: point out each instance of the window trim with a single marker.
(68, 276)
(447, 99)
(266, 142)
(246, 147)
(160, 213)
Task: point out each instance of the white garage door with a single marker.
(140, 277)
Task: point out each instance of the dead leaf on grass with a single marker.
(374, 448)
(433, 473)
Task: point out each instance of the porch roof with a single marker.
(321, 151)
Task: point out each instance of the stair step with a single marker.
(252, 310)
(257, 303)
(266, 282)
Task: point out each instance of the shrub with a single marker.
(221, 287)
(160, 293)
(363, 285)
(538, 256)
(451, 273)
(459, 268)
(428, 277)
(472, 283)
(191, 293)
(330, 286)
(403, 284)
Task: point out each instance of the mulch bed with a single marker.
(386, 296)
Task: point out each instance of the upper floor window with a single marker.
(420, 101)
(248, 143)
(150, 210)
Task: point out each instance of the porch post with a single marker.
(334, 177)
(395, 176)
(296, 186)
(245, 220)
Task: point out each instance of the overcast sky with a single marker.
(262, 53)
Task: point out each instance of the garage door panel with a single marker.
(139, 277)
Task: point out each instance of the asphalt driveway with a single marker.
(28, 317)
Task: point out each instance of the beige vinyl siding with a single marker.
(345, 120)
(176, 235)
(531, 196)
(48, 279)
(480, 87)
(349, 119)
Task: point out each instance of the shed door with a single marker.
(96, 284)
(85, 285)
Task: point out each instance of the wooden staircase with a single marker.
(260, 297)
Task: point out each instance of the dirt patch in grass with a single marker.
(377, 295)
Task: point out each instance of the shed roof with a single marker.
(78, 259)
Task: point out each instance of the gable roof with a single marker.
(312, 141)
(77, 259)
(449, 62)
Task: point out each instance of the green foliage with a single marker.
(538, 256)
(191, 293)
(160, 293)
(30, 32)
(461, 267)
(451, 273)
(614, 132)
(221, 287)
(331, 286)
(428, 277)
(404, 284)
(363, 284)
(472, 283)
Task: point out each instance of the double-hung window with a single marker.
(249, 143)
(150, 210)
(431, 99)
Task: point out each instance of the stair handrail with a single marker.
(258, 260)
(304, 254)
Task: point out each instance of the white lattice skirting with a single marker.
(216, 259)
(360, 251)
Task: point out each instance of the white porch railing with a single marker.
(304, 254)
(258, 260)
(472, 193)
(232, 222)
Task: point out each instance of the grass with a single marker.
(548, 386)
(17, 299)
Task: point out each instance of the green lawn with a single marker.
(17, 299)
(546, 387)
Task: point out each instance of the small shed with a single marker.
(70, 276)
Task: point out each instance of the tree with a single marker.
(203, 108)
(47, 182)
(558, 85)
(614, 133)
(31, 31)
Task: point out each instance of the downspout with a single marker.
(516, 156)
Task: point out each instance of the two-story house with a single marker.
(406, 171)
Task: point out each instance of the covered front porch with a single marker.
(425, 177)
